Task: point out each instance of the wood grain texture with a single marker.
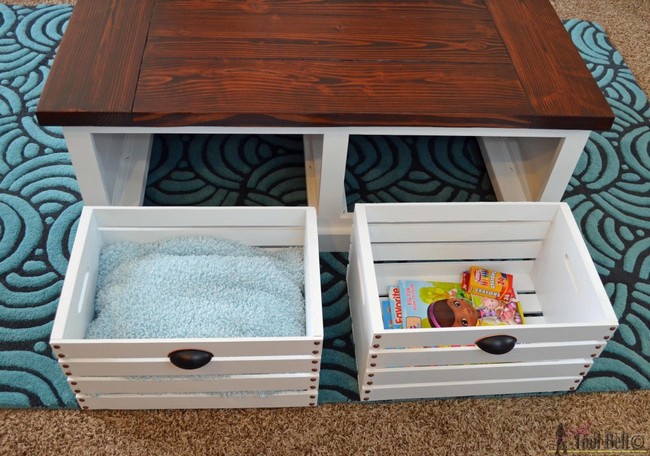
(560, 87)
(376, 36)
(94, 75)
(444, 9)
(246, 91)
(463, 63)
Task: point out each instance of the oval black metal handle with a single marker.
(496, 345)
(190, 359)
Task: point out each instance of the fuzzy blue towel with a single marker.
(198, 287)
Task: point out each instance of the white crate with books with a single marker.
(566, 316)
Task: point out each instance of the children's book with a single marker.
(395, 307)
(428, 304)
(387, 314)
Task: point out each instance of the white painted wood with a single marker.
(331, 191)
(312, 149)
(568, 313)
(499, 155)
(87, 167)
(263, 227)
(250, 235)
(470, 212)
(480, 388)
(110, 180)
(455, 251)
(561, 163)
(362, 318)
(98, 226)
(566, 278)
(389, 274)
(178, 217)
(149, 348)
(458, 355)
(458, 231)
(350, 130)
(532, 168)
(478, 372)
(111, 168)
(570, 331)
(191, 384)
(73, 312)
(124, 163)
(196, 401)
(110, 367)
(313, 296)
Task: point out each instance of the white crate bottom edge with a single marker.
(197, 401)
(463, 389)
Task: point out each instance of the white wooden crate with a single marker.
(569, 317)
(138, 373)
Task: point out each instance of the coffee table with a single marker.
(504, 71)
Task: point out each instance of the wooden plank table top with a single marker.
(423, 63)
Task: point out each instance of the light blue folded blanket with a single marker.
(198, 287)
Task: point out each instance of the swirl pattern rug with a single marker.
(40, 205)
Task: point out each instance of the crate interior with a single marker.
(104, 229)
(554, 280)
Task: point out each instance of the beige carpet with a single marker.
(513, 426)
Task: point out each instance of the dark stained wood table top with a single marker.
(425, 63)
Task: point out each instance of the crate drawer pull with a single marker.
(190, 359)
(497, 345)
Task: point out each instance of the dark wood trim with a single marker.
(95, 72)
(561, 89)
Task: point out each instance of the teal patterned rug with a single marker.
(40, 204)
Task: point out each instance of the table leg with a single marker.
(111, 169)
(532, 169)
(325, 159)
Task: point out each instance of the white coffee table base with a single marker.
(111, 164)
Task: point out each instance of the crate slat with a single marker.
(457, 231)
(162, 366)
(195, 401)
(477, 372)
(456, 389)
(474, 355)
(191, 384)
(430, 251)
